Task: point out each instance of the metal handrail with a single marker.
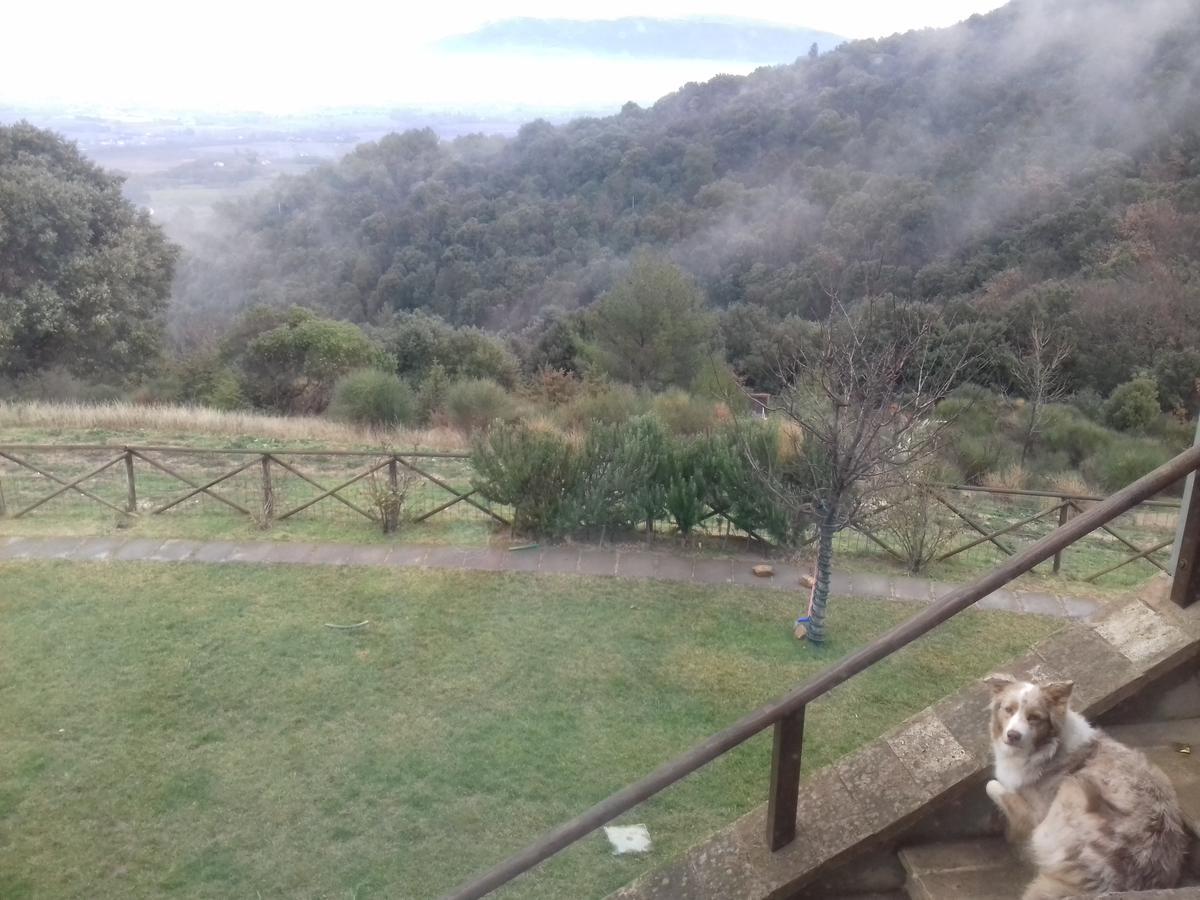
(790, 705)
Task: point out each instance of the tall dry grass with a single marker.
(162, 421)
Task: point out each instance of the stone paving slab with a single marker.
(52, 548)
(216, 551)
(138, 549)
(561, 560)
(295, 554)
(368, 556)
(637, 564)
(18, 548)
(406, 556)
(712, 571)
(597, 562)
(252, 552)
(173, 550)
(524, 560)
(98, 549)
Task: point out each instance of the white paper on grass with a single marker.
(628, 838)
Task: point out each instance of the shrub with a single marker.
(1123, 462)
(622, 475)
(684, 413)
(373, 397)
(685, 488)
(1133, 406)
(57, 383)
(390, 498)
(432, 393)
(1089, 402)
(1011, 478)
(533, 470)
(1067, 431)
(1069, 483)
(293, 366)
(472, 405)
(767, 457)
(554, 387)
(916, 524)
(1177, 375)
(974, 456)
(608, 405)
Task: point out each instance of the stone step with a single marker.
(988, 869)
(982, 869)
(1175, 748)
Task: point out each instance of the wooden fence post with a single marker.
(785, 780)
(130, 483)
(1063, 515)
(391, 520)
(268, 493)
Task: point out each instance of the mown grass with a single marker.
(196, 731)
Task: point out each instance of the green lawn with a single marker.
(196, 730)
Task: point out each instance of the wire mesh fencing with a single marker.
(347, 494)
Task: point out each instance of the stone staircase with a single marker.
(985, 868)
(906, 816)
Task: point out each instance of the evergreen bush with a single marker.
(373, 397)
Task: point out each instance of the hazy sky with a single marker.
(279, 57)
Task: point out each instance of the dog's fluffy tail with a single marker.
(1192, 863)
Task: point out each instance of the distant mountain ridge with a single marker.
(742, 40)
(1045, 153)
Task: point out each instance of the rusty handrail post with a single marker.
(130, 483)
(784, 793)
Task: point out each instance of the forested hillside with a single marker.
(1048, 147)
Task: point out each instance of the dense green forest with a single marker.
(1043, 156)
(1028, 182)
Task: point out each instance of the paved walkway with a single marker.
(555, 560)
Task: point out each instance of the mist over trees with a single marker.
(1044, 158)
(84, 276)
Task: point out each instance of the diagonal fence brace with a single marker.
(458, 497)
(333, 492)
(205, 488)
(320, 487)
(66, 485)
(163, 468)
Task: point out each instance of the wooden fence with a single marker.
(992, 526)
(264, 485)
(269, 486)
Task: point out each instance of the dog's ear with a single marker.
(999, 682)
(1058, 692)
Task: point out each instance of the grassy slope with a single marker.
(196, 731)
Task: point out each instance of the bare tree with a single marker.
(1038, 375)
(859, 413)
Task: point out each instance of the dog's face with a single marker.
(1025, 716)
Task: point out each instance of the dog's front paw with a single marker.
(996, 791)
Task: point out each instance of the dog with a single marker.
(1093, 814)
